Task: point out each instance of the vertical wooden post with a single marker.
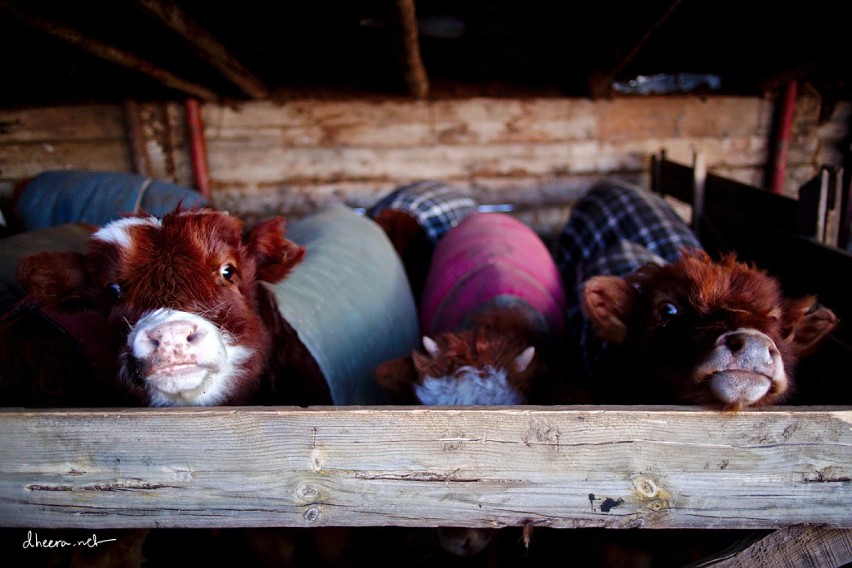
(407, 45)
(136, 138)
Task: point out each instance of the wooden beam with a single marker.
(205, 45)
(407, 45)
(560, 467)
(790, 547)
(104, 51)
(600, 83)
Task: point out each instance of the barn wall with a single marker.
(268, 158)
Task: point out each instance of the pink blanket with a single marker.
(491, 259)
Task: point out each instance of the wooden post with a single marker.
(136, 137)
(407, 43)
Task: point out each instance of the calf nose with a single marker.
(174, 335)
(749, 346)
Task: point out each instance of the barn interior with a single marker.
(108, 51)
(284, 107)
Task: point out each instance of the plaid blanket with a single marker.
(614, 229)
(436, 206)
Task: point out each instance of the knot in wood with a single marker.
(312, 515)
(306, 492)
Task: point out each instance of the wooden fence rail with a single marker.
(561, 467)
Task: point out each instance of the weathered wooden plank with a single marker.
(262, 147)
(239, 164)
(19, 161)
(488, 121)
(62, 124)
(563, 467)
(789, 547)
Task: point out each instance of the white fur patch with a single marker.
(216, 362)
(468, 388)
(118, 232)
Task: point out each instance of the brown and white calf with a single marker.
(657, 321)
(200, 311)
(179, 298)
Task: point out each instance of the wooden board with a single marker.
(562, 467)
(800, 545)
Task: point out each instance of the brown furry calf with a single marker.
(657, 321)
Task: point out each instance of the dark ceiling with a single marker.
(56, 52)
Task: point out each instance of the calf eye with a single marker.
(113, 291)
(227, 271)
(667, 311)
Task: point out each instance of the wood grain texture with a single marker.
(789, 547)
(305, 150)
(563, 467)
(62, 124)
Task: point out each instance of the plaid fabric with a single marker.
(614, 229)
(437, 207)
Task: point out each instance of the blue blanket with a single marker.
(58, 197)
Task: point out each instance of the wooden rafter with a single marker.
(407, 45)
(600, 83)
(205, 45)
(104, 51)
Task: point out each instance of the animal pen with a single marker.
(784, 472)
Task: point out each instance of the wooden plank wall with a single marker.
(291, 157)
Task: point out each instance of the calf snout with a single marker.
(744, 368)
(166, 339)
(172, 340)
(183, 358)
(748, 350)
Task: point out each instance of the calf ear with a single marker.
(276, 256)
(606, 302)
(806, 324)
(57, 279)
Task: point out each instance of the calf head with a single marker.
(704, 332)
(180, 297)
(493, 363)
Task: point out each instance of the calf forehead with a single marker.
(119, 233)
(202, 232)
(710, 286)
(157, 261)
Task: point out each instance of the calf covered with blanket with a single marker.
(655, 320)
(492, 305)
